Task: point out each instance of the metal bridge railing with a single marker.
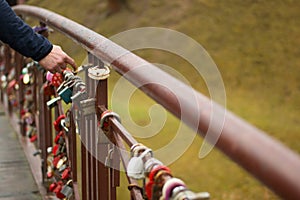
(268, 160)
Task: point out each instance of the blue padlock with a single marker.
(66, 94)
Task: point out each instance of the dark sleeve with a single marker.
(19, 36)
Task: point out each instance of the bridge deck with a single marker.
(16, 180)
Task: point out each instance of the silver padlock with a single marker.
(80, 95)
(67, 190)
(88, 106)
(62, 168)
(150, 163)
(135, 167)
(175, 189)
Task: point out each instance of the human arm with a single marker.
(19, 36)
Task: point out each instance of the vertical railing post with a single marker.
(73, 154)
(19, 62)
(45, 133)
(40, 117)
(84, 175)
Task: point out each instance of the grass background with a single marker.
(255, 45)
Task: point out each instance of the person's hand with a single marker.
(57, 60)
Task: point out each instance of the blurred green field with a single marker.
(255, 45)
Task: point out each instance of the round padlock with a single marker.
(98, 73)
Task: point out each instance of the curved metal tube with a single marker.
(268, 160)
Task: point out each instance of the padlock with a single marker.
(59, 149)
(3, 81)
(88, 106)
(57, 79)
(55, 160)
(79, 96)
(66, 94)
(26, 78)
(58, 190)
(105, 115)
(175, 189)
(33, 138)
(55, 149)
(137, 149)
(66, 173)
(98, 73)
(67, 189)
(62, 168)
(135, 167)
(150, 186)
(58, 137)
(79, 85)
(169, 186)
(61, 162)
(50, 172)
(57, 123)
(52, 186)
(150, 163)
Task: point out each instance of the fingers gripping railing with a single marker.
(268, 160)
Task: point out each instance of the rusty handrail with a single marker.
(265, 158)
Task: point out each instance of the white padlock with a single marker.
(135, 167)
(98, 73)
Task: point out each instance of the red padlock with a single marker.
(58, 189)
(50, 175)
(55, 149)
(57, 124)
(56, 160)
(152, 174)
(52, 186)
(33, 138)
(66, 173)
(57, 137)
(57, 79)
